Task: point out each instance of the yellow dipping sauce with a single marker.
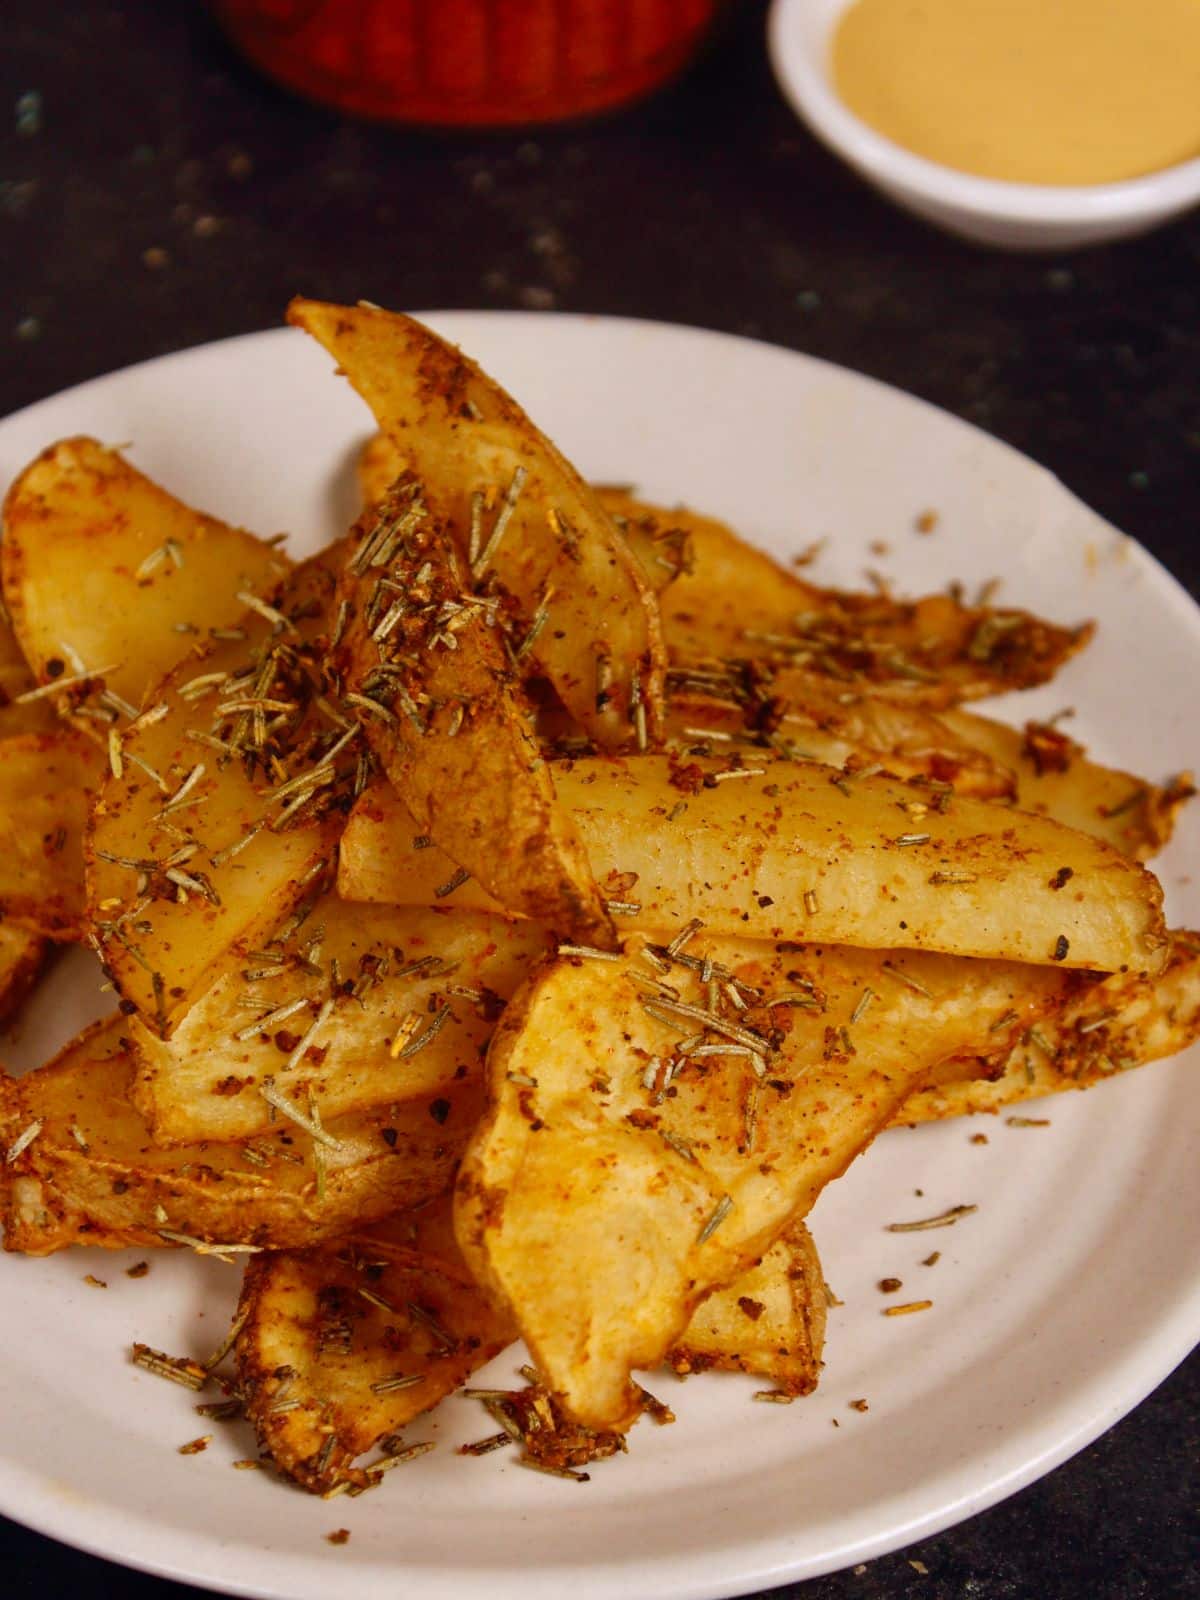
(1033, 91)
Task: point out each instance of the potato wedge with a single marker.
(362, 1335)
(101, 568)
(1123, 1021)
(22, 956)
(365, 1335)
(603, 1208)
(817, 724)
(704, 558)
(225, 810)
(864, 733)
(1055, 779)
(770, 1321)
(544, 536)
(792, 850)
(91, 1174)
(723, 601)
(1037, 769)
(413, 996)
(425, 668)
(46, 783)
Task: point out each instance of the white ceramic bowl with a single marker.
(1014, 216)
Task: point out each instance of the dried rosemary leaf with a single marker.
(945, 1219)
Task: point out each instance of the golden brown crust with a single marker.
(92, 1175)
(601, 645)
(1106, 1028)
(725, 603)
(1055, 778)
(333, 1360)
(198, 850)
(417, 995)
(793, 850)
(98, 560)
(858, 734)
(770, 1322)
(342, 1346)
(423, 662)
(620, 1175)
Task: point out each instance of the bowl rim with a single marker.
(802, 74)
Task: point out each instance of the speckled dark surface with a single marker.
(154, 194)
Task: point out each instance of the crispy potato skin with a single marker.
(1035, 769)
(403, 968)
(817, 724)
(786, 854)
(464, 757)
(116, 1192)
(461, 433)
(47, 781)
(908, 737)
(1054, 778)
(577, 1162)
(79, 525)
(324, 1326)
(331, 1328)
(977, 755)
(769, 1322)
(728, 602)
(183, 944)
(1116, 1023)
(717, 593)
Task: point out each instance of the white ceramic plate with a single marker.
(1057, 1306)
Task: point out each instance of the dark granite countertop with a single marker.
(155, 194)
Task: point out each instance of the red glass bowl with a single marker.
(469, 63)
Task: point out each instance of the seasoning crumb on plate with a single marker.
(809, 554)
(338, 1536)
